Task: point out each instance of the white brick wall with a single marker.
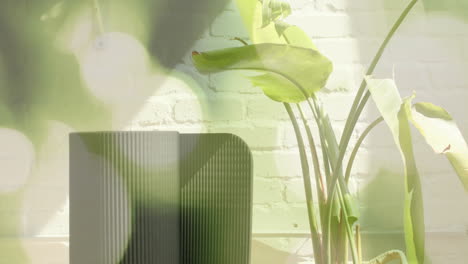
(429, 55)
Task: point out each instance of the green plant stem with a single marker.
(313, 150)
(316, 242)
(358, 104)
(240, 40)
(327, 133)
(326, 218)
(342, 249)
(358, 243)
(358, 145)
(337, 191)
(330, 147)
(322, 195)
(326, 235)
(326, 163)
(349, 230)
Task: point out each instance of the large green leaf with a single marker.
(273, 10)
(442, 134)
(397, 114)
(299, 71)
(295, 36)
(253, 17)
(278, 32)
(277, 87)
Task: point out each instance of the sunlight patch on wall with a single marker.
(116, 67)
(16, 159)
(45, 205)
(162, 109)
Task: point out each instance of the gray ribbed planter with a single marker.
(159, 197)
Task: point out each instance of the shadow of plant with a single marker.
(382, 203)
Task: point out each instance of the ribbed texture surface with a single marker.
(216, 197)
(159, 197)
(136, 197)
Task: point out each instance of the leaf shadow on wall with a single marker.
(177, 25)
(382, 202)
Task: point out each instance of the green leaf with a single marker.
(280, 27)
(433, 111)
(352, 208)
(409, 230)
(396, 114)
(332, 149)
(273, 10)
(389, 256)
(278, 32)
(277, 88)
(295, 36)
(336, 209)
(443, 135)
(305, 70)
(259, 33)
(267, 14)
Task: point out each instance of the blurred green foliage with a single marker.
(41, 78)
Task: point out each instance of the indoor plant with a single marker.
(292, 72)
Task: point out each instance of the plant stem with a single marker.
(322, 195)
(358, 145)
(358, 104)
(240, 40)
(326, 162)
(326, 219)
(342, 249)
(358, 243)
(313, 150)
(316, 242)
(326, 232)
(330, 147)
(349, 230)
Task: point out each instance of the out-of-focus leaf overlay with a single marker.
(290, 73)
(41, 79)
